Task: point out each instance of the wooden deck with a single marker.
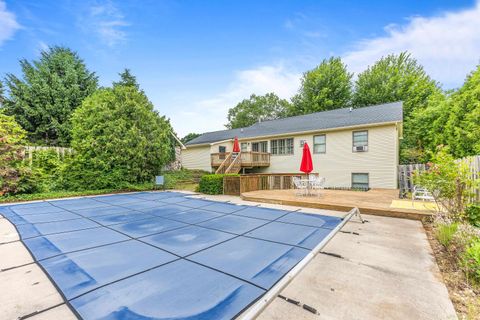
(375, 202)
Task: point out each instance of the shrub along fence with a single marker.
(60, 151)
(405, 175)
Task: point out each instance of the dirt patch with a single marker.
(464, 295)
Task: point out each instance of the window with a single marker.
(221, 151)
(319, 144)
(360, 181)
(243, 146)
(360, 141)
(261, 146)
(281, 146)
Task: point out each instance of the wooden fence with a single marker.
(235, 185)
(405, 175)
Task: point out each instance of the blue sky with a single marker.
(196, 59)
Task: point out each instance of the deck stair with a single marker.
(231, 164)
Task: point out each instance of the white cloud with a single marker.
(107, 21)
(8, 23)
(210, 113)
(447, 45)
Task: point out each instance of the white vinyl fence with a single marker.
(405, 175)
(61, 152)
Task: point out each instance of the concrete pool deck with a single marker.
(384, 270)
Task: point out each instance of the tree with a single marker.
(326, 87)
(463, 127)
(255, 109)
(397, 78)
(51, 88)
(12, 173)
(429, 128)
(190, 137)
(127, 79)
(118, 140)
(2, 98)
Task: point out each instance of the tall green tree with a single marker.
(127, 79)
(428, 128)
(118, 140)
(48, 92)
(326, 87)
(190, 137)
(255, 109)
(463, 127)
(397, 78)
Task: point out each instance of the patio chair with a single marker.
(300, 186)
(420, 193)
(316, 183)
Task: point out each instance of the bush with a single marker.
(118, 140)
(212, 183)
(445, 233)
(471, 260)
(473, 214)
(15, 177)
(450, 183)
(49, 168)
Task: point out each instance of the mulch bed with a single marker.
(465, 296)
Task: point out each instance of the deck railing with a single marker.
(236, 185)
(248, 159)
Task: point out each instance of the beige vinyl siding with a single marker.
(227, 144)
(196, 158)
(339, 162)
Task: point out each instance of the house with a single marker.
(351, 148)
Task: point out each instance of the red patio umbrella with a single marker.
(236, 146)
(306, 165)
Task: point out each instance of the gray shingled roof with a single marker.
(338, 118)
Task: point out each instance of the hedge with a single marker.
(212, 183)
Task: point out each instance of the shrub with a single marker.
(118, 140)
(212, 183)
(49, 168)
(473, 214)
(445, 233)
(471, 260)
(15, 177)
(450, 183)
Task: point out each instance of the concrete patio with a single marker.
(382, 269)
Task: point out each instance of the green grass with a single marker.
(65, 194)
(180, 180)
(445, 233)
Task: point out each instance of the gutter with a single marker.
(178, 140)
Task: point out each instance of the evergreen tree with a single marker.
(51, 88)
(127, 79)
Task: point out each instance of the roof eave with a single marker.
(372, 124)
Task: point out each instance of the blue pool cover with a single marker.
(164, 255)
